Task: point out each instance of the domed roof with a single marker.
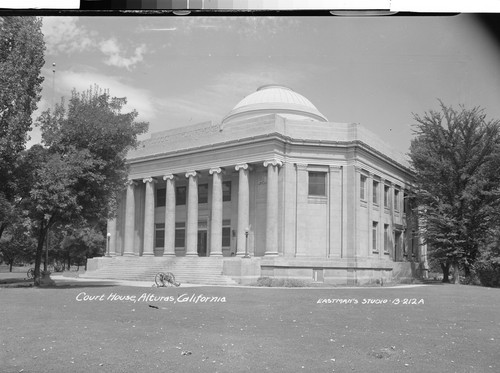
(275, 99)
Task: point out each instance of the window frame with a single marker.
(323, 185)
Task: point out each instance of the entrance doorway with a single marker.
(202, 243)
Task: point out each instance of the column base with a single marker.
(169, 254)
(217, 254)
(129, 254)
(148, 254)
(191, 254)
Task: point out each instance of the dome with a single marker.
(275, 99)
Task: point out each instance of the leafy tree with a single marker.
(456, 157)
(83, 164)
(21, 59)
(17, 244)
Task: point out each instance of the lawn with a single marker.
(123, 329)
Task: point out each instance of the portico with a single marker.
(214, 200)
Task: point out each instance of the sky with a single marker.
(375, 71)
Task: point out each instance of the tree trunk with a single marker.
(456, 273)
(11, 263)
(2, 228)
(445, 267)
(69, 261)
(38, 255)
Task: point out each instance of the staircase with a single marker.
(194, 270)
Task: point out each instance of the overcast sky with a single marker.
(374, 71)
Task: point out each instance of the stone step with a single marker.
(188, 270)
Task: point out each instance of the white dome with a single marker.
(275, 99)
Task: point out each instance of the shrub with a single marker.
(488, 272)
(281, 282)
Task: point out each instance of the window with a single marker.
(226, 233)
(405, 201)
(203, 193)
(317, 184)
(160, 197)
(180, 195)
(396, 199)
(386, 196)
(226, 191)
(160, 235)
(362, 187)
(180, 234)
(375, 192)
(374, 236)
(386, 238)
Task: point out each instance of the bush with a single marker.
(281, 282)
(488, 272)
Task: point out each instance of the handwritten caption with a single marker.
(149, 297)
(365, 301)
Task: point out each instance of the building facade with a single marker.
(277, 182)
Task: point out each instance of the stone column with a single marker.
(243, 207)
(192, 215)
(272, 207)
(149, 217)
(169, 249)
(369, 199)
(129, 219)
(216, 226)
(112, 237)
(336, 211)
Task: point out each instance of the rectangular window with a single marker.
(160, 197)
(180, 234)
(226, 191)
(226, 233)
(317, 184)
(386, 238)
(374, 236)
(386, 196)
(203, 193)
(396, 199)
(362, 188)
(375, 192)
(180, 196)
(160, 235)
(405, 201)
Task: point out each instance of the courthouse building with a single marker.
(275, 181)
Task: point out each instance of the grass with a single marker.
(254, 330)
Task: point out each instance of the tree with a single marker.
(456, 157)
(83, 164)
(17, 244)
(21, 59)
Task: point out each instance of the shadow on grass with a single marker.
(25, 283)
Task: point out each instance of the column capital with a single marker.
(131, 183)
(148, 180)
(243, 166)
(217, 170)
(169, 177)
(334, 168)
(273, 162)
(192, 173)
